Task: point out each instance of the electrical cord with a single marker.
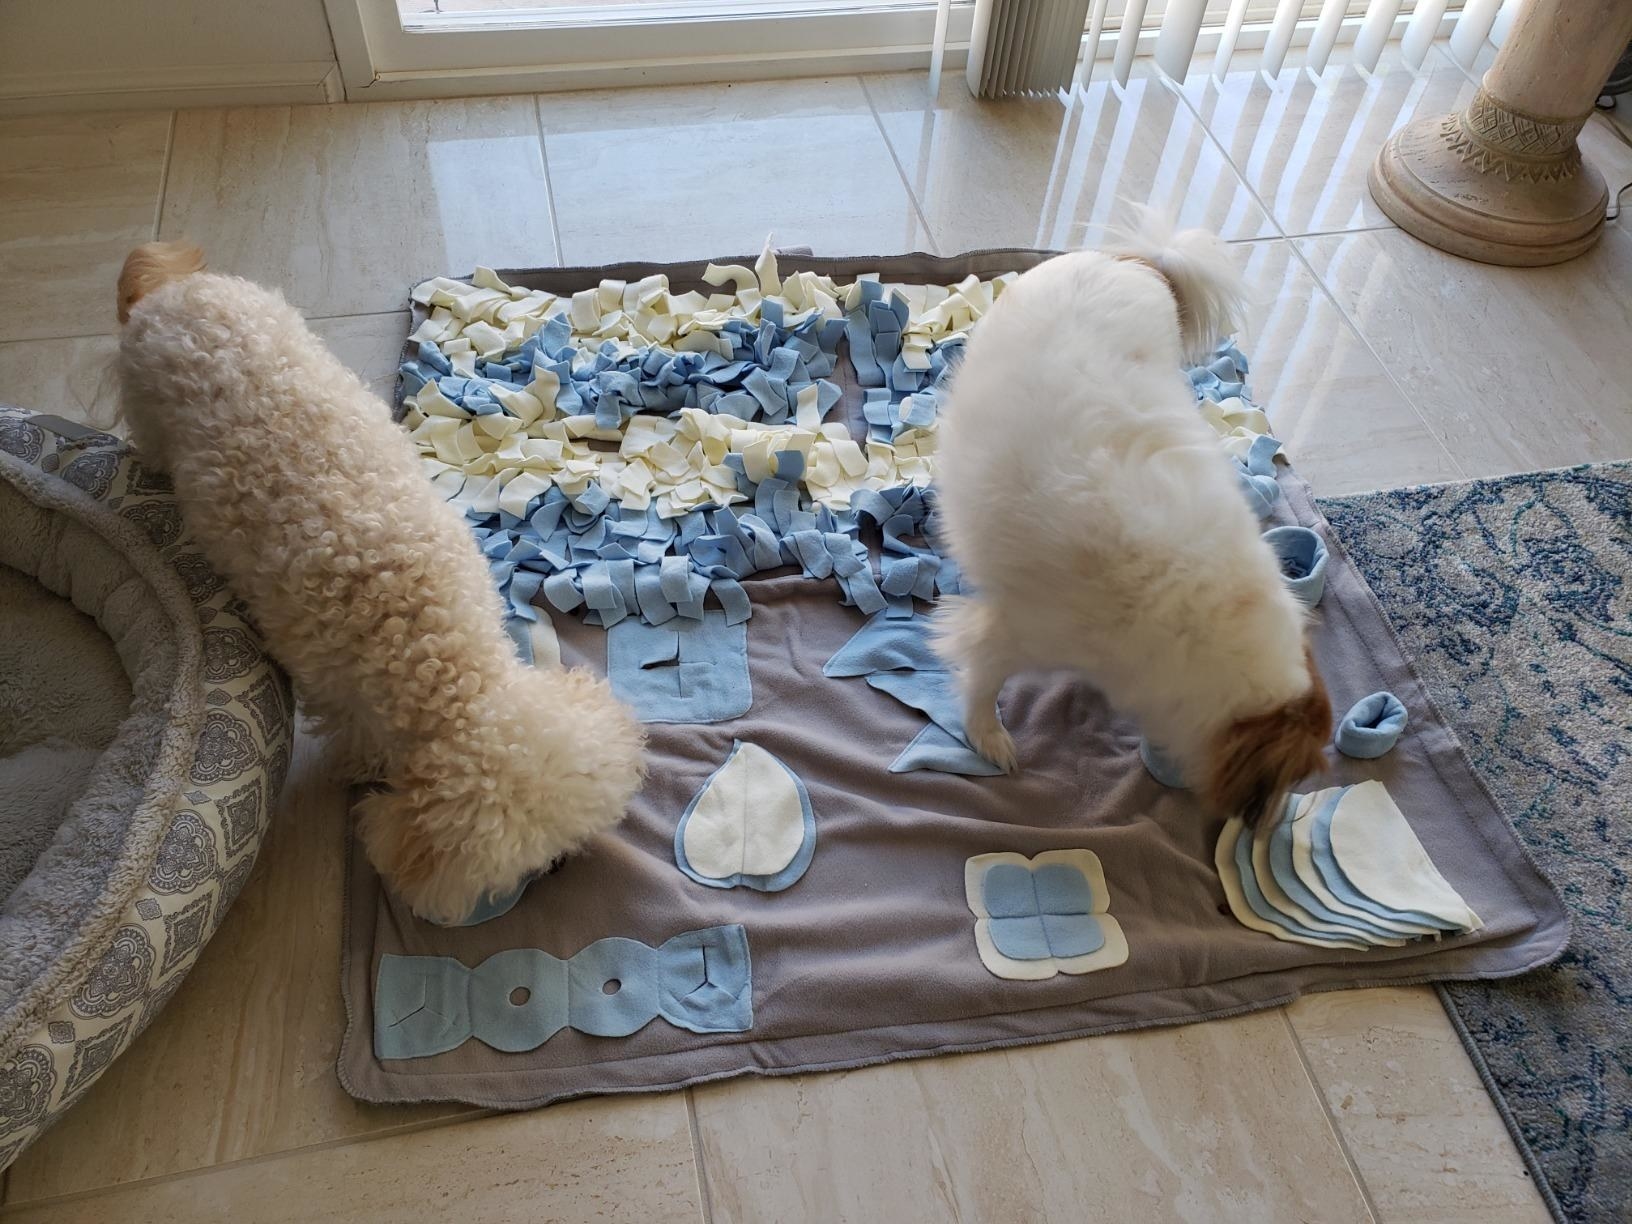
(1615, 202)
(1614, 210)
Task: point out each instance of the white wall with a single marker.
(94, 54)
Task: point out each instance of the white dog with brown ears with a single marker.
(1123, 547)
(369, 589)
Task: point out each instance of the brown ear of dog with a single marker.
(1256, 761)
(152, 265)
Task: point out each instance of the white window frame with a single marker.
(646, 44)
(679, 42)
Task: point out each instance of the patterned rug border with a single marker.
(1616, 472)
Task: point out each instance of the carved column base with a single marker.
(1492, 184)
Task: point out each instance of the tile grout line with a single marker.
(697, 1163)
(1359, 229)
(96, 335)
(112, 1188)
(1341, 233)
(901, 170)
(1177, 88)
(109, 335)
(1293, 242)
(164, 173)
(549, 182)
(359, 314)
(1331, 1119)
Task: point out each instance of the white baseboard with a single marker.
(169, 88)
(689, 70)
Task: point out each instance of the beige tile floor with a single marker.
(1383, 362)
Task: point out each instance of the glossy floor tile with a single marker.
(1621, 114)
(1608, 148)
(369, 345)
(1039, 172)
(1305, 143)
(1213, 1122)
(1512, 368)
(76, 193)
(75, 378)
(614, 1160)
(1417, 1121)
(703, 171)
(344, 206)
(1346, 425)
(68, 378)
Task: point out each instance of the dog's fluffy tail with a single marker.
(1210, 291)
(153, 265)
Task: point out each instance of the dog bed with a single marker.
(143, 738)
(815, 876)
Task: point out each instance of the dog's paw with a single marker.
(994, 743)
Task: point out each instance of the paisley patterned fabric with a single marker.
(206, 853)
(1515, 598)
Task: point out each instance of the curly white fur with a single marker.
(1101, 528)
(369, 589)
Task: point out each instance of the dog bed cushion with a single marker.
(913, 930)
(143, 736)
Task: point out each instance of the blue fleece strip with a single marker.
(939, 750)
(896, 657)
(884, 645)
(682, 671)
(1302, 554)
(1372, 726)
(1256, 475)
(498, 904)
(1222, 377)
(932, 693)
(553, 550)
(517, 1000)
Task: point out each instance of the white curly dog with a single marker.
(369, 589)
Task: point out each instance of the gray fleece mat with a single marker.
(871, 954)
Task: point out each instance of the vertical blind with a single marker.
(1034, 46)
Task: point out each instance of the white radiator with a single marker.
(1041, 47)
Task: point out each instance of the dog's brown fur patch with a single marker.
(1256, 761)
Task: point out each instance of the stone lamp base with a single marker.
(1503, 181)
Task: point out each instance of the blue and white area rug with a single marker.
(1514, 599)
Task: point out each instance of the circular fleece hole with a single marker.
(1302, 555)
(520, 995)
(611, 986)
